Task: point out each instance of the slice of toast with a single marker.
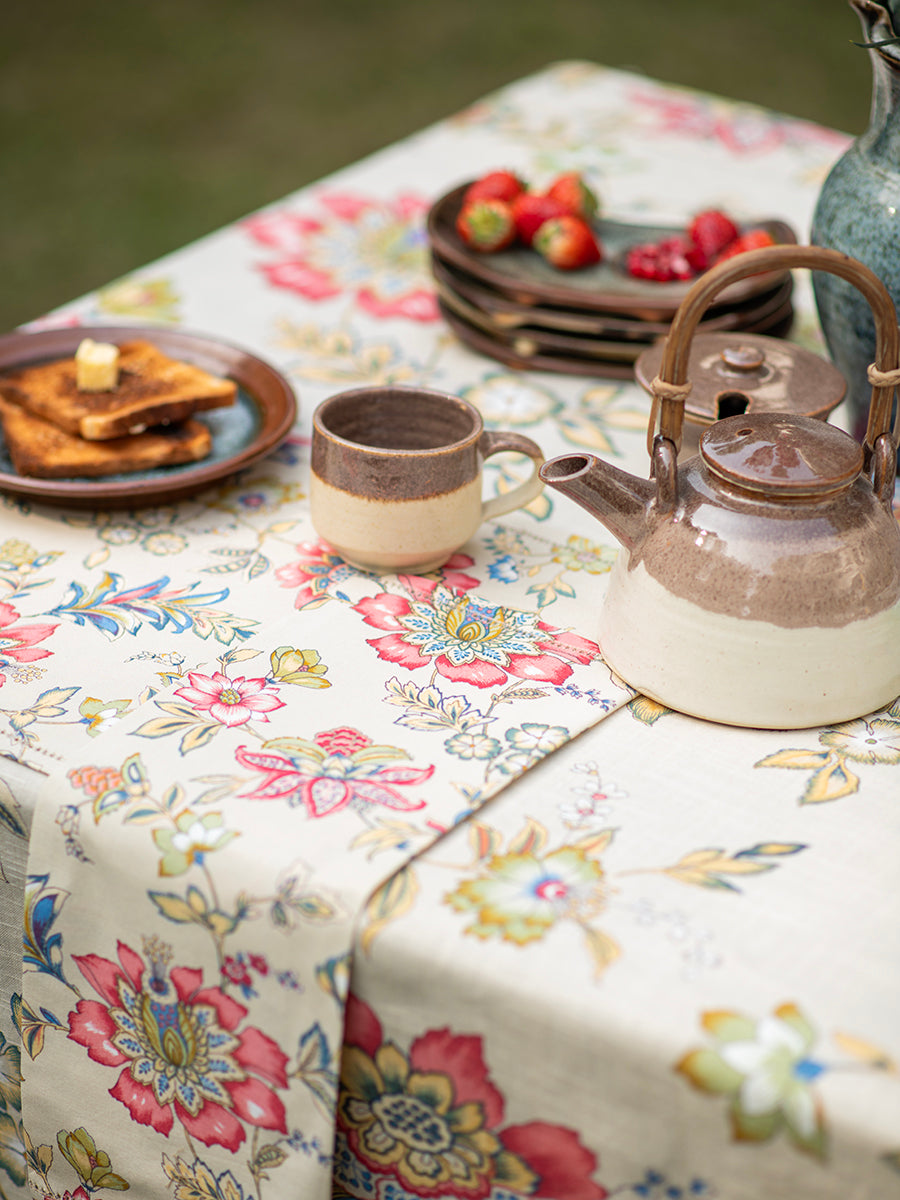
(43, 450)
(153, 389)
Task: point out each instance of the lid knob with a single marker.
(743, 357)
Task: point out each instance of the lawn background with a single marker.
(128, 129)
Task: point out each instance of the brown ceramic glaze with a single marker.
(396, 475)
(523, 276)
(794, 562)
(505, 314)
(772, 500)
(739, 372)
(404, 443)
(373, 442)
(762, 580)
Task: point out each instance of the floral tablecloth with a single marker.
(384, 886)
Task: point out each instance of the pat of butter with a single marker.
(96, 366)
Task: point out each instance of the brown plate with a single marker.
(504, 314)
(262, 415)
(527, 342)
(524, 276)
(536, 350)
(477, 339)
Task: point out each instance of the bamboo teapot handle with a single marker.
(671, 386)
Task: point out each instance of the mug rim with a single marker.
(465, 406)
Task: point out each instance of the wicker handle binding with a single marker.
(671, 386)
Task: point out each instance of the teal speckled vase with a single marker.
(858, 212)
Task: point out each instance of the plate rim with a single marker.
(269, 390)
(442, 236)
(596, 324)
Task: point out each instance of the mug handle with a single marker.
(493, 441)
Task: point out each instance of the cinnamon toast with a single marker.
(43, 450)
(153, 389)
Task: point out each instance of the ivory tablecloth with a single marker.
(584, 946)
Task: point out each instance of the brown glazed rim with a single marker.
(374, 390)
(670, 407)
(271, 394)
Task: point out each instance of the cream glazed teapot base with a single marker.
(739, 671)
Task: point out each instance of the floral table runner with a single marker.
(665, 964)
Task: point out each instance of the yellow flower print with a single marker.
(302, 667)
(579, 554)
(93, 1165)
(876, 740)
(521, 896)
(767, 1070)
(873, 741)
(15, 553)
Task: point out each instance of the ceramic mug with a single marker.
(397, 476)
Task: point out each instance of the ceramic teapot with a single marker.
(760, 579)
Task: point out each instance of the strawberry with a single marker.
(753, 239)
(495, 185)
(531, 210)
(486, 225)
(709, 233)
(571, 190)
(661, 262)
(567, 242)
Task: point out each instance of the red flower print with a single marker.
(230, 701)
(235, 971)
(342, 741)
(452, 575)
(741, 130)
(281, 229)
(319, 567)
(417, 305)
(17, 642)
(432, 1120)
(298, 276)
(314, 571)
(339, 768)
(374, 250)
(470, 641)
(181, 1047)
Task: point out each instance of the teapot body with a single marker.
(757, 611)
(759, 582)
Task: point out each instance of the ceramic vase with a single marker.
(858, 212)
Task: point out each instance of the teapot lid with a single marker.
(781, 454)
(745, 372)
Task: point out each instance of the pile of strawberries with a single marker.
(711, 237)
(499, 209)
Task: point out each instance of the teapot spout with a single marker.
(619, 500)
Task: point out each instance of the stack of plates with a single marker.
(515, 307)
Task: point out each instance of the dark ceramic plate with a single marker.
(262, 415)
(538, 351)
(536, 359)
(503, 315)
(522, 275)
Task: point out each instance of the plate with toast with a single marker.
(123, 416)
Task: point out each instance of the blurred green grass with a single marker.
(127, 130)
